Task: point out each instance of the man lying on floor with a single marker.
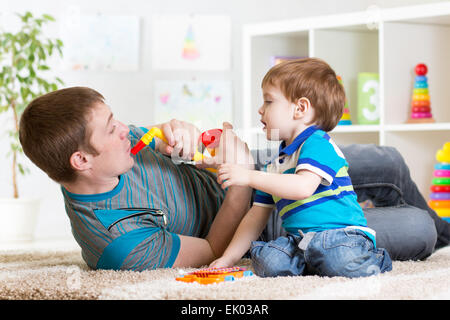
(145, 211)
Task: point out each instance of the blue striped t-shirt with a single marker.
(334, 203)
(136, 225)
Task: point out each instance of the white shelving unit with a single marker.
(389, 42)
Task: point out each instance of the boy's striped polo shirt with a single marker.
(334, 204)
(136, 225)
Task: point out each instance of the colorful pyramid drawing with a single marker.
(189, 49)
(420, 105)
(440, 188)
(345, 120)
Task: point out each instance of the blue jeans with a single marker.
(338, 252)
(406, 227)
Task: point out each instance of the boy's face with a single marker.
(110, 138)
(276, 114)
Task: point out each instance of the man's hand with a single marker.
(231, 149)
(232, 174)
(182, 138)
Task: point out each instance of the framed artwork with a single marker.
(101, 42)
(192, 42)
(204, 103)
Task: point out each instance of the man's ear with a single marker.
(80, 161)
(302, 106)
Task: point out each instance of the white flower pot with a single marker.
(18, 218)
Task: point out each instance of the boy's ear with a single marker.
(302, 106)
(80, 161)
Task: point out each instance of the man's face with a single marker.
(110, 138)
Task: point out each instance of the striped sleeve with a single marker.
(263, 199)
(320, 155)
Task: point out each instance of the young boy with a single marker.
(307, 182)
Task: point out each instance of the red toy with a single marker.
(215, 275)
(421, 69)
(210, 139)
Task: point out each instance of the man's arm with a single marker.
(196, 252)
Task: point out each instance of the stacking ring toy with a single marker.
(438, 204)
(440, 188)
(442, 173)
(419, 115)
(442, 166)
(444, 212)
(441, 181)
(440, 196)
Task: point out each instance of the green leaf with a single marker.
(48, 17)
(24, 91)
(60, 81)
(21, 62)
(43, 67)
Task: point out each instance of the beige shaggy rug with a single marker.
(62, 274)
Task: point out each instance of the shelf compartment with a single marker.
(406, 45)
(419, 148)
(349, 51)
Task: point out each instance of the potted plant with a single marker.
(24, 57)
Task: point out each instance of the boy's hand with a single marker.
(222, 262)
(232, 174)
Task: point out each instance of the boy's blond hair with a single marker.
(314, 79)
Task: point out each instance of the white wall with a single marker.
(130, 93)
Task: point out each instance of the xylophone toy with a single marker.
(215, 275)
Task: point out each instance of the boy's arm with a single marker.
(296, 186)
(249, 230)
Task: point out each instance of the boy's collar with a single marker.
(290, 149)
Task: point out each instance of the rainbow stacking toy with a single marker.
(215, 275)
(420, 105)
(345, 120)
(440, 188)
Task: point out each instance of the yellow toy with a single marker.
(215, 275)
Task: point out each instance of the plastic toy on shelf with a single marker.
(346, 119)
(215, 275)
(440, 188)
(421, 105)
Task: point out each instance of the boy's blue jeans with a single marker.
(342, 252)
